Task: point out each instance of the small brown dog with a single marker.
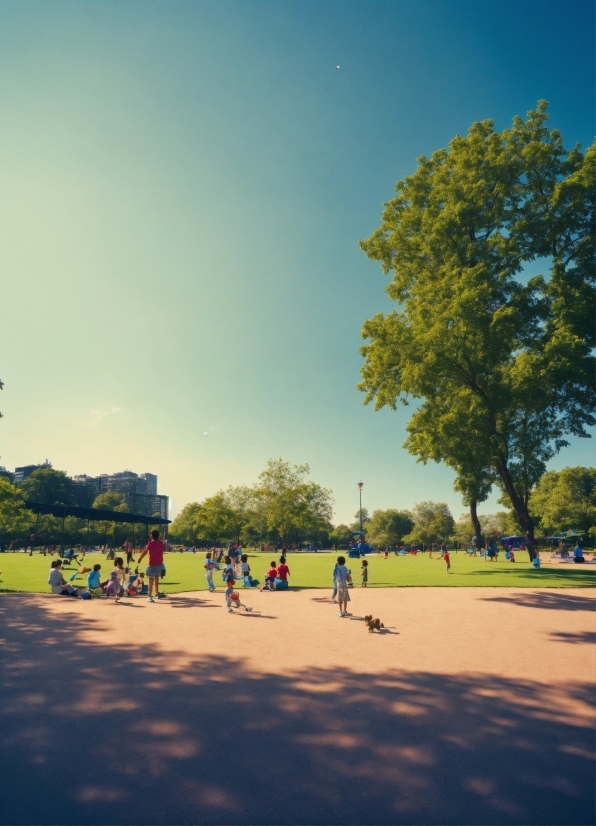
(373, 624)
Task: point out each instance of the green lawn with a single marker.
(20, 572)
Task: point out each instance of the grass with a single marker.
(20, 572)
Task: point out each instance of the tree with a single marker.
(14, 517)
(433, 522)
(566, 500)
(290, 507)
(389, 527)
(183, 528)
(501, 362)
(49, 487)
(240, 501)
(340, 535)
(110, 501)
(214, 519)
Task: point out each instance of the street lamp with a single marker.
(360, 491)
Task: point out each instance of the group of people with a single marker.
(121, 581)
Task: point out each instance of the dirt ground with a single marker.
(474, 706)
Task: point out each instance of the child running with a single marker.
(341, 579)
(447, 560)
(364, 573)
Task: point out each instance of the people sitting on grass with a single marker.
(115, 583)
(96, 588)
(283, 573)
(578, 554)
(270, 577)
(57, 582)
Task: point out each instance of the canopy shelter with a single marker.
(95, 515)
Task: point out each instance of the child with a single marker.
(228, 569)
(93, 581)
(115, 584)
(349, 579)
(386, 556)
(233, 597)
(270, 577)
(245, 571)
(210, 566)
(511, 555)
(341, 579)
(334, 594)
(364, 573)
(447, 560)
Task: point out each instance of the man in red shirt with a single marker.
(155, 549)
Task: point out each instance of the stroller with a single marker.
(70, 556)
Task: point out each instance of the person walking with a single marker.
(341, 579)
(155, 549)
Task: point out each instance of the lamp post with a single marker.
(360, 491)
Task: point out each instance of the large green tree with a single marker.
(14, 517)
(289, 506)
(390, 526)
(505, 359)
(433, 522)
(566, 500)
(49, 487)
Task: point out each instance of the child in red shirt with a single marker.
(270, 577)
(446, 558)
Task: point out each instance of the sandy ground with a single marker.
(475, 706)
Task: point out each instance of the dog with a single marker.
(373, 624)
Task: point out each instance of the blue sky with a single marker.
(185, 185)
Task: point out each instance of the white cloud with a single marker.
(101, 414)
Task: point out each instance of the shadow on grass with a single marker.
(545, 578)
(111, 734)
(543, 599)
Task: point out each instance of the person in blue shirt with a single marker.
(93, 579)
(578, 554)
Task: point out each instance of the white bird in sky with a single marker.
(205, 433)
(338, 67)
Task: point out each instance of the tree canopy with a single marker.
(566, 500)
(500, 365)
(433, 522)
(111, 501)
(49, 487)
(389, 527)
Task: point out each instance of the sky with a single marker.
(184, 185)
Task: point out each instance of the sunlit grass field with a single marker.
(20, 572)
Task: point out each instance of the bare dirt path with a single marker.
(474, 706)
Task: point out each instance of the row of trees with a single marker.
(501, 366)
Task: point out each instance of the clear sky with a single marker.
(184, 185)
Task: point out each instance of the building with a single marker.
(21, 473)
(139, 491)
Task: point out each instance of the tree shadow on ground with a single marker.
(110, 734)
(542, 599)
(574, 637)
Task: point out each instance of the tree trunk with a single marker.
(476, 523)
(519, 506)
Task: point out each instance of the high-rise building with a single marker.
(139, 492)
(21, 473)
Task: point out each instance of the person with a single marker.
(115, 584)
(283, 570)
(492, 551)
(511, 555)
(386, 555)
(447, 560)
(578, 554)
(96, 587)
(245, 571)
(341, 578)
(334, 594)
(364, 573)
(129, 550)
(210, 566)
(349, 580)
(233, 597)
(270, 577)
(155, 549)
(57, 582)
(228, 569)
